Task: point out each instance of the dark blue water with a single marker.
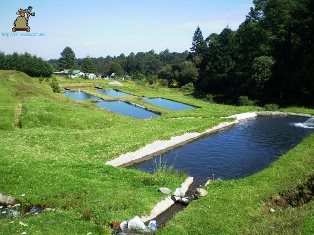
(168, 104)
(114, 106)
(112, 93)
(126, 109)
(79, 95)
(243, 150)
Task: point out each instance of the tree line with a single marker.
(144, 66)
(27, 63)
(270, 58)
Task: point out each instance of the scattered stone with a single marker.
(8, 212)
(209, 182)
(136, 224)
(179, 192)
(152, 225)
(15, 213)
(124, 226)
(23, 224)
(165, 191)
(272, 210)
(11, 222)
(36, 210)
(185, 201)
(201, 192)
(49, 209)
(115, 224)
(7, 200)
(23, 233)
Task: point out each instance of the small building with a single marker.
(91, 76)
(61, 73)
(77, 74)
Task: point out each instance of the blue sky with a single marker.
(111, 27)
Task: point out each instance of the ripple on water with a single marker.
(245, 149)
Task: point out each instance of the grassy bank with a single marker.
(242, 206)
(53, 150)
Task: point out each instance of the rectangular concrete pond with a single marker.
(126, 109)
(168, 104)
(113, 106)
(80, 95)
(249, 147)
(113, 93)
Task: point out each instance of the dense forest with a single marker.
(142, 66)
(269, 59)
(29, 64)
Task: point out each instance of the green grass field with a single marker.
(53, 150)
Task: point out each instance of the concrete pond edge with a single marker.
(165, 204)
(160, 146)
(164, 145)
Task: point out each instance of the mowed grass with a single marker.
(53, 150)
(239, 206)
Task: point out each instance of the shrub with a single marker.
(271, 107)
(209, 98)
(140, 82)
(138, 76)
(163, 82)
(189, 87)
(55, 86)
(245, 101)
(151, 79)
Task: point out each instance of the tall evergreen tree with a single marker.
(67, 59)
(88, 65)
(198, 40)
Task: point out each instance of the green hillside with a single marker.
(53, 150)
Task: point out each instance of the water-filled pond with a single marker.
(114, 106)
(126, 109)
(79, 95)
(112, 92)
(249, 147)
(168, 104)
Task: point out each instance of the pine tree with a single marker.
(198, 40)
(67, 60)
(88, 65)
